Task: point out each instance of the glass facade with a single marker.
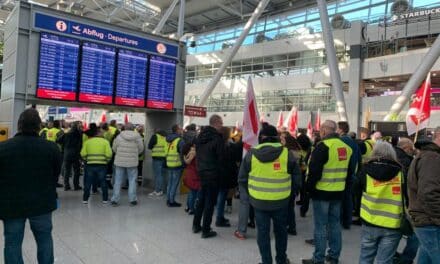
(289, 25)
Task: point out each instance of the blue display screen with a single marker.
(97, 73)
(58, 67)
(161, 81)
(131, 81)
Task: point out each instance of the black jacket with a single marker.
(269, 154)
(233, 156)
(405, 161)
(210, 149)
(318, 159)
(71, 143)
(29, 169)
(380, 170)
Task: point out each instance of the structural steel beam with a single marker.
(335, 75)
(416, 79)
(251, 22)
(181, 25)
(165, 17)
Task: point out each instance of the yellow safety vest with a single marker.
(43, 131)
(369, 145)
(335, 170)
(84, 138)
(382, 203)
(96, 150)
(173, 157)
(52, 133)
(160, 149)
(270, 181)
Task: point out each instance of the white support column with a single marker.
(165, 17)
(416, 79)
(335, 75)
(181, 25)
(251, 22)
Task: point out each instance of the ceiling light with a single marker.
(434, 74)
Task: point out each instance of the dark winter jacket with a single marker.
(379, 169)
(405, 161)
(424, 186)
(210, 148)
(71, 143)
(269, 154)
(233, 156)
(29, 169)
(318, 159)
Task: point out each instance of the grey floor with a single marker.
(152, 233)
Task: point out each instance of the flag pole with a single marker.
(417, 130)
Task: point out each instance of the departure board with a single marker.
(161, 81)
(131, 81)
(58, 67)
(97, 73)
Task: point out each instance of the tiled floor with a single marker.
(152, 233)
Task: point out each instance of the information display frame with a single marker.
(39, 90)
(150, 105)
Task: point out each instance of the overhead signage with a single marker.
(61, 25)
(195, 111)
(416, 14)
(162, 75)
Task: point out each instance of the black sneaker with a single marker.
(330, 260)
(196, 229)
(134, 203)
(209, 234)
(175, 204)
(222, 223)
(292, 231)
(310, 261)
(251, 224)
(67, 188)
(59, 185)
(78, 188)
(186, 209)
(114, 204)
(310, 241)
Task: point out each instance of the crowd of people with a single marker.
(390, 186)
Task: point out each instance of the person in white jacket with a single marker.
(127, 147)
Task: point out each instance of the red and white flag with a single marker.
(103, 117)
(309, 126)
(280, 122)
(250, 119)
(292, 121)
(126, 119)
(419, 111)
(318, 121)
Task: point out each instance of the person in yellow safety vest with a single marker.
(159, 147)
(140, 130)
(174, 164)
(366, 144)
(96, 152)
(270, 175)
(54, 133)
(381, 184)
(113, 128)
(328, 175)
(43, 131)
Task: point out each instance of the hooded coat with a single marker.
(424, 186)
(382, 170)
(127, 147)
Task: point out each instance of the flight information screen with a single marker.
(131, 81)
(161, 81)
(97, 73)
(58, 67)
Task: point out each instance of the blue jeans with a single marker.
(158, 165)
(410, 252)
(191, 199)
(120, 175)
(378, 243)
(93, 174)
(173, 183)
(327, 221)
(41, 227)
(429, 239)
(279, 219)
(221, 200)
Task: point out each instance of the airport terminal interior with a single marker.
(84, 60)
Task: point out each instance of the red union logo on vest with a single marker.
(396, 190)
(277, 166)
(342, 154)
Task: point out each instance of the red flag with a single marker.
(280, 122)
(250, 119)
(292, 123)
(126, 119)
(85, 126)
(309, 126)
(419, 111)
(103, 117)
(318, 121)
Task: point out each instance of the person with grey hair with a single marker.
(127, 146)
(29, 168)
(424, 197)
(380, 183)
(329, 172)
